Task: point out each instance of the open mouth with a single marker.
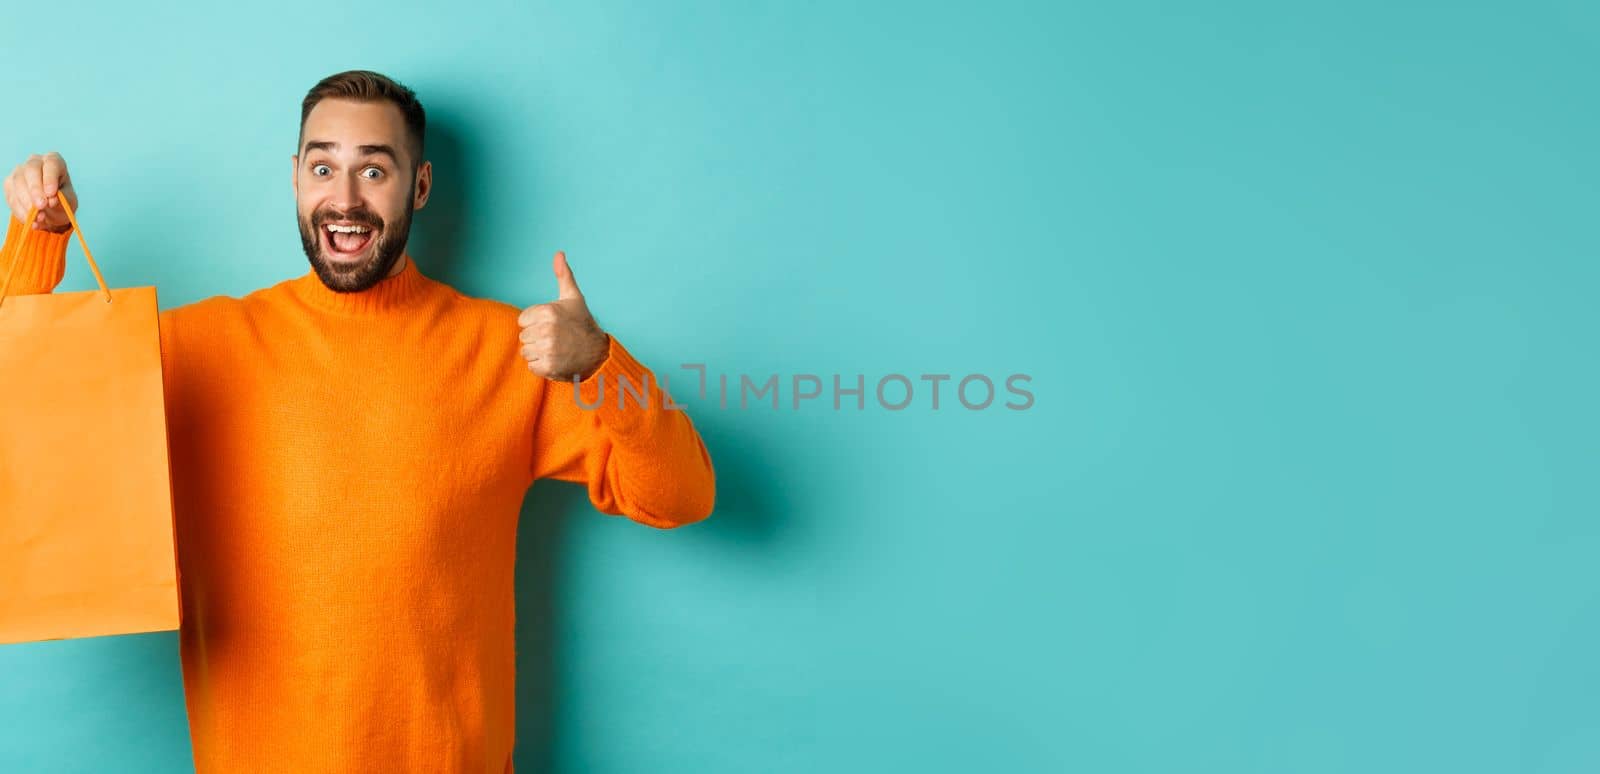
(346, 240)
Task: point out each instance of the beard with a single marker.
(344, 276)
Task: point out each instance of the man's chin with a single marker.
(348, 264)
(346, 274)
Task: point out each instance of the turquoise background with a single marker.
(1307, 295)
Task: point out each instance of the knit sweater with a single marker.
(347, 473)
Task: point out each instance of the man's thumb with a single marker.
(567, 284)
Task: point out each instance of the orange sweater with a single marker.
(347, 473)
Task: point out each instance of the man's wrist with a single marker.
(603, 348)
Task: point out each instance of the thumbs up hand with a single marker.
(560, 339)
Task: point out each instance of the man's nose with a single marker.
(347, 194)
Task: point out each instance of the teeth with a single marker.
(347, 229)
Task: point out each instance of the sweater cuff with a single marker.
(625, 379)
(40, 263)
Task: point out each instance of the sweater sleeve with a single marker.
(638, 458)
(40, 258)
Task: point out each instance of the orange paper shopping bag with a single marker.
(86, 531)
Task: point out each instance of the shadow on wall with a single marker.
(541, 531)
(442, 232)
(742, 518)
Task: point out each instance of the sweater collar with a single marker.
(395, 292)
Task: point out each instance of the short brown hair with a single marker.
(368, 86)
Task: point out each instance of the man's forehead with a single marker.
(337, 125)
(362, 149)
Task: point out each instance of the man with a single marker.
(350, 450)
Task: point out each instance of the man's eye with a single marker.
(316, 169)
(376, 173)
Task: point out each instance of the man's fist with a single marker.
(39, 184)
(561, 340)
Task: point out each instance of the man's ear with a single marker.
(294, 172)
(424, 186)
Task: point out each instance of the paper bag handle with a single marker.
(28, 231)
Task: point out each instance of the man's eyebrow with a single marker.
(365, 150)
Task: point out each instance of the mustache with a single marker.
(359, 215)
